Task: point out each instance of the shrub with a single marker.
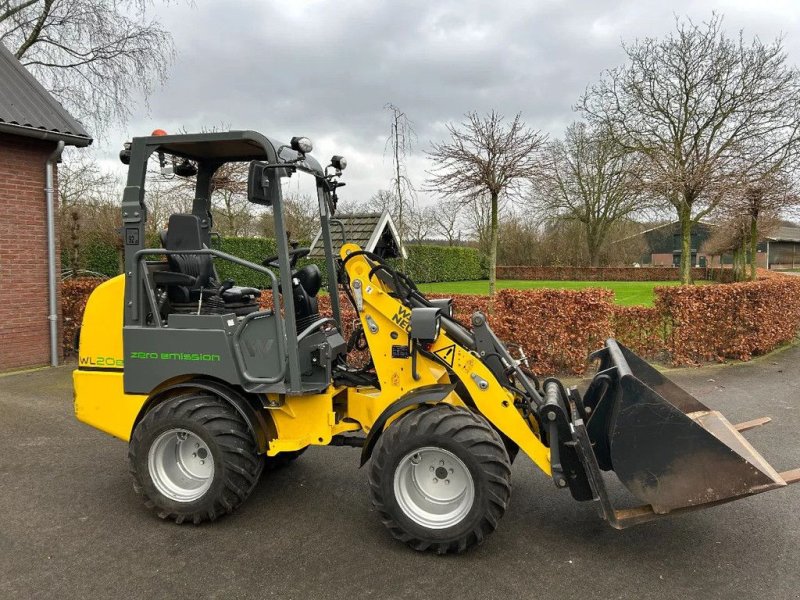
(595, 273)
(640, 328)
(74, 294)
(429, 264)
(97, 255)
(557, 329)
(736, 320)
(253, 249)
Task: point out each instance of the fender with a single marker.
(427, 394)
(247, 406)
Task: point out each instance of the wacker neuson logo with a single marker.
(175, 356)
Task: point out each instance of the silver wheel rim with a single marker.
(180, 465)
(433, 487)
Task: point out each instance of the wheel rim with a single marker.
(433, 487)
(181, 465)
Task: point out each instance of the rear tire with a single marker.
(440, 479)
(193, 458)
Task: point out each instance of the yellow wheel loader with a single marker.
(209, 389)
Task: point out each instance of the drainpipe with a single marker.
(49, 193)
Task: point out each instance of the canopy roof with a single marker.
(231, 146)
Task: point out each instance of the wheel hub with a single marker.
(434, 488)
(180, 465)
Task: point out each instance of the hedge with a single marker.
(74, 294)
(557, 329)
(425, 263)
(253, 249)
(596, 273)
(737, 320)
(429, 264)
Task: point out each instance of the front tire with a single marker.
(193, 458)
(440, 479)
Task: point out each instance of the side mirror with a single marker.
(262, 184)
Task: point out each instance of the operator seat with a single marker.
(306, 283)
(183, 233)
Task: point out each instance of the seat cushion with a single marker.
(238, 294)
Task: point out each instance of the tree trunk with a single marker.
(753, 246)
(493, 251)
(685, 218)
(593, 248)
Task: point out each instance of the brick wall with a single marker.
(24, 332)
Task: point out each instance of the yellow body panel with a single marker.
(101, 330)
(308, 420)
(101, 402)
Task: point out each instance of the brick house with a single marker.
(34, 128)
(779, 250)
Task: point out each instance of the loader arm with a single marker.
(401, 367)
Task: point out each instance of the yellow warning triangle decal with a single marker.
(447, 354)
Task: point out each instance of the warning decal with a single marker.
(447, 354)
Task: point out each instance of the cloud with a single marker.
(326, 69)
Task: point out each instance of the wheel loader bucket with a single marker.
(671, 451)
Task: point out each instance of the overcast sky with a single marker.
(326, 69)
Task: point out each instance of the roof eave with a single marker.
(42, 134)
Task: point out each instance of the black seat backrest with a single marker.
(310, 278)
(306, 305)
(184, 234)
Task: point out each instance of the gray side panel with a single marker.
(259, 345)
(153, 355)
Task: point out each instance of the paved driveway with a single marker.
(71, 527)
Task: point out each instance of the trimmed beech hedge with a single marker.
(596, 273)
(558, 329)
(74, 294)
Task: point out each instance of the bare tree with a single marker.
(751, 214)
(477, 216)
(300, 216)
(419, 223)
(519, 240)
(88, 207)
(589, 179)
(165, 197)
(91, 54)
(233, 210)
(400, 143)
(768, 193)
(446, 221)
(485, 158)
(690, 105)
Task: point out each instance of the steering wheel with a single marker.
(294, 255)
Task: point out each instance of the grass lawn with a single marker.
(628, 293)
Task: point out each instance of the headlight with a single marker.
(339, 162)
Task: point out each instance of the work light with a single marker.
(302, 145)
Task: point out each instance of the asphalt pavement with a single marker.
(71, 526)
